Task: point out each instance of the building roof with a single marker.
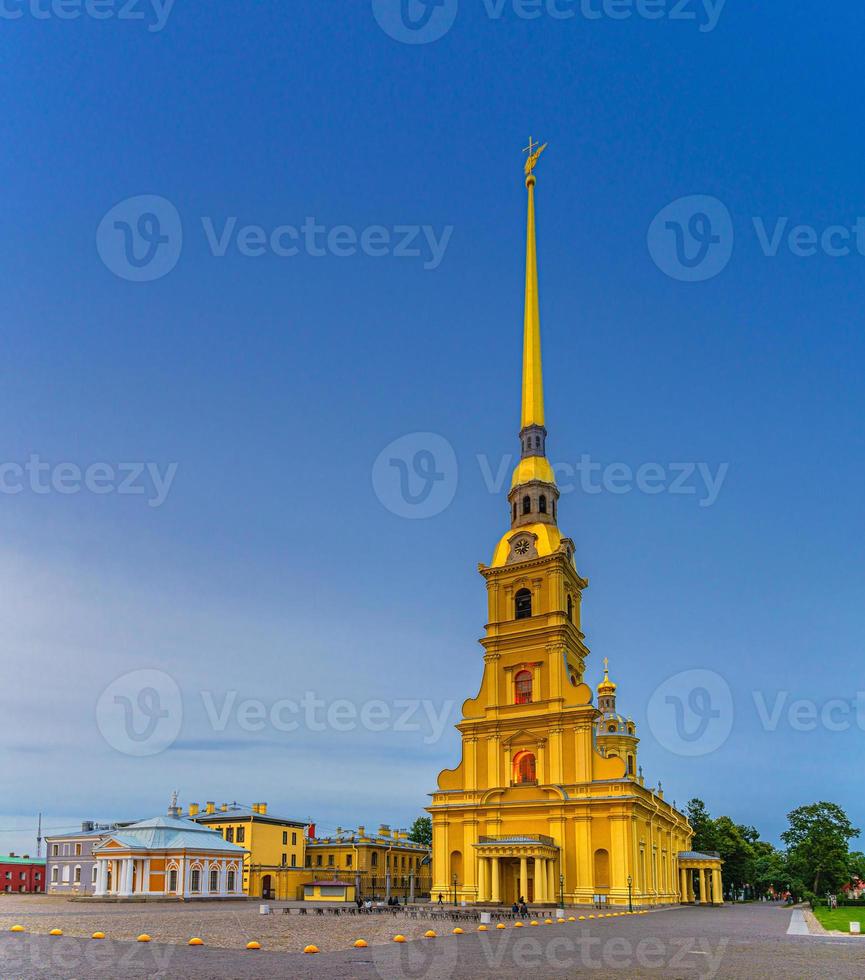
(239, 811)
(171, 834)
(332, 883)
(699, 855)
(19, 859)
(368, 840)
(99, 830)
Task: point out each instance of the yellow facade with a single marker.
(275, 845)
(547, 802)
(381, 865)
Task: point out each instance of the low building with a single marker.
(168, 857)
(329, 891)
(70, 864)
(22, 875)
(274, 845)
(382, 865)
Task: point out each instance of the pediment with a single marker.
(523, 737)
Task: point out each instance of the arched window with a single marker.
(374, 859)
(214, 880)
(523, 687)
(523, 604)
(630, 765)
(542, 504)
(527, 505)
(524, 768)
(554, 509)
(570, 609)
(537, 442)
(602, 868)
(515, 510)
(231, 881)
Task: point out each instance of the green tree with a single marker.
(421, 831)
(704, 826)
(818, 851)
(768, 869)
(736, 850)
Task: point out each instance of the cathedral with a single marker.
(548, 802)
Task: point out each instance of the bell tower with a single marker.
(543, 803)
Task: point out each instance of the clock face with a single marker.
(521, 547)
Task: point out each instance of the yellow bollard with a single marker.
(534, 922)
(399, 939)
(482, 928)
(518, 925)
(501, 925)
(583, 918)
(560, 921)
(458, 931)
(98, 935)
(429, 934)
(360, 944)
(17, 929)
(572, 918)
(144, 938)
(253, 945)
(195, 941)
(56, 932)
(548, 922)
(311, 949)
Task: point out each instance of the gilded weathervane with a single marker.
(534, 151)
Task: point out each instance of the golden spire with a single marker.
(533, 382)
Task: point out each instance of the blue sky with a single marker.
(261, 389)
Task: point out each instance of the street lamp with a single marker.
(630, 894)
(561, 891)
(455, 889)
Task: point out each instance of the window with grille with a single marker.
(523, 687)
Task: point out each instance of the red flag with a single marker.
(311, 831)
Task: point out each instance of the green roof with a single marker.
(17, 859)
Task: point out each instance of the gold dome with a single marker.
(606, 686)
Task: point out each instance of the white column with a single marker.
(205, 885)
(101, 876)
(124, 877)
(145, 876)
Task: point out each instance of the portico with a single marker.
(510, 867)
(705, 867)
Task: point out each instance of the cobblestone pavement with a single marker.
(733, 943)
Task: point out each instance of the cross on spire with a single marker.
(530, 149)
(606, 665)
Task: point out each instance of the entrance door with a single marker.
(267, 887)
